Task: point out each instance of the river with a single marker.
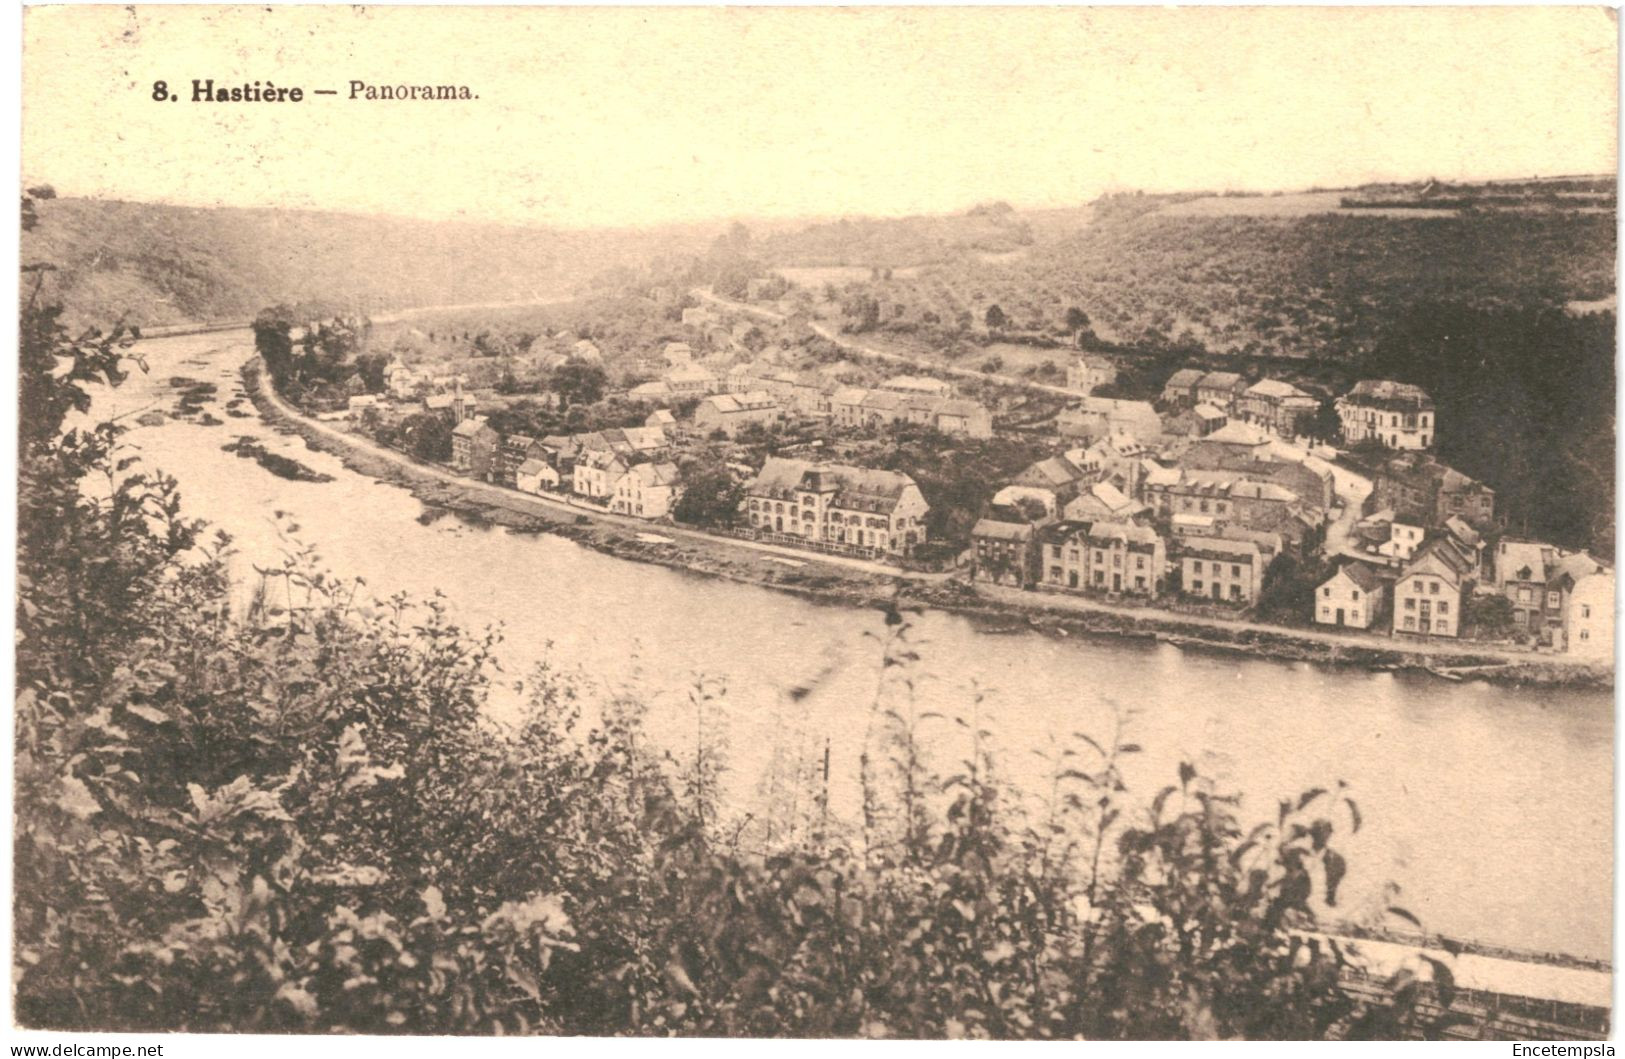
(1490, 807)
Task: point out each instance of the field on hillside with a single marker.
(1300, 204)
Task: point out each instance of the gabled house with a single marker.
(1352, 597)
(1428, 595)
(1277, 406)
(1053, 482)
(536, 475)
(1520, 571)
(646, 490)
(732, 412)
(1589, 623)
(1180, 389)
(1565, 575)
(474, 447)
(1087, 371)
(596, 472)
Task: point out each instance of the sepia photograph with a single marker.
(886, 523)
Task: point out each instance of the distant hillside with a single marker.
(1253, 280)
(169, 264)
(872, 242)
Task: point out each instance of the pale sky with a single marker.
(644, 115)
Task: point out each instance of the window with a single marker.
(1326, 592)
(1553, 599)
(1356, 596)
(1235, 570)
(1433, 588)
(1444, 606)
(1585, 610)
(1410, 623)
(1410, 603)
(1196, 586)
(1235, 591)
(1325, 612)
(1196, 566)
(1585, 634)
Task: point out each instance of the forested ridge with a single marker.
(297, 818)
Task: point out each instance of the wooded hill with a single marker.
(158, 264)
(1248, 282)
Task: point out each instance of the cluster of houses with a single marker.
(626, 471)
(1120, 517)
(1140, 507)
(821, 393)
(1187, 498)
(1215, 398)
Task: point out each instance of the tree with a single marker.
(1288, 593)
(1490, 616)
(1076, 319)
(370, 368)
(427, 437)
(709, 497)
(579, 382)
(1324, 425)
(996, 319)
(273, 328)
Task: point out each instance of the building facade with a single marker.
(1221, 570)
(1118, 558)
(1394, 414)
(1351, 598)
(858, 507)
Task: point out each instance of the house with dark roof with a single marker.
(1422, 487)
(1520, 573)
(474, 447)
(1222, 570)
(1005, 553)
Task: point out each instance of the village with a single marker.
(1221, 497)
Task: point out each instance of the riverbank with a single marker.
(862, 584)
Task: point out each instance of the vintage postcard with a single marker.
(911, 523)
